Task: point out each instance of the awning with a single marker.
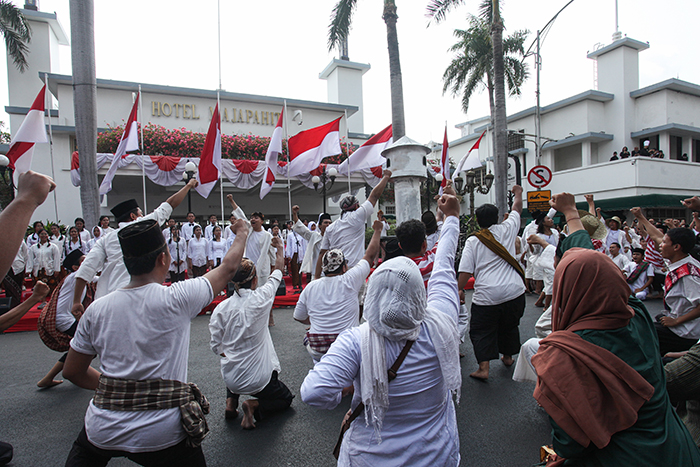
(642, 201)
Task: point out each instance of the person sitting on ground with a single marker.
(600, 376)
(678, 328)
(683, 386)
(329, 305)
(348, 233)
(409, 420)
(618, 258)
(142, 408)
(639, 274)
(241, 338)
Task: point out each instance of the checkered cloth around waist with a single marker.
(320, 342)
(157, 394)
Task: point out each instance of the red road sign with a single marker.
(539, 176)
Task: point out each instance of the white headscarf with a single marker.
(395, 307)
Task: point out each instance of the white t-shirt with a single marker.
(140, 333)
(495, 281)
(64, 318)
(331, 302)
(621, 261)
(239, 330)
(348, 234)
(197, 251)
(642, 279)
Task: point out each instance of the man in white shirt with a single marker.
(498, 301)
(187, 229)
(620, 260)
(241, 338)
(329, 305)
(107, 254)
(141, 386)
(348, 232)
(167, 230)
(639, 274)
(313, 238)
(209, 229)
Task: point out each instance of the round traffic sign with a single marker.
(539, 176)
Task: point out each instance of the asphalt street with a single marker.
(500, 423)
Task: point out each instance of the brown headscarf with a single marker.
(588, 391)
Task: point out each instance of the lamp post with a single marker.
(5, 170)
(187, 175)
(482, 184)
(322, 180)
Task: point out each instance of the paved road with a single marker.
(500, 424)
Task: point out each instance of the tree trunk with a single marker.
(500, 160)
(82, 28)
(397, 116)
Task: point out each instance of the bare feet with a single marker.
(482, 374)
(249, 408)
(507, 360)
(45, 384)
(231, 410)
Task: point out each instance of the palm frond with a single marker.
(16, 32)
(438, 9)
(341, 19)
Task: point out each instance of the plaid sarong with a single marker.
(320, 342)
(641, 268)
(157, 394)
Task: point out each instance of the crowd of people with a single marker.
(384, 323)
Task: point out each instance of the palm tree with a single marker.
(490, 11)
(341, 19)
(17, 33)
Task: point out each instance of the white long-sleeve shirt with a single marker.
(177, 249)
(313, 246)
(420, 426)
(44, 256)
(216, 250)
(107, 254)
(239, 330)
(20, 262)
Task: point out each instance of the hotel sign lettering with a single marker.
(230, 115)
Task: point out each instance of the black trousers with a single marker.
(669, 341)
(494, 329)
(175, 277)
(86, 454)
(274, 397)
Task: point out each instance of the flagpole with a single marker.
(289, 183)
(218, 15)
(53, 172)
(143, 158)
(347, 141)
(221, 170)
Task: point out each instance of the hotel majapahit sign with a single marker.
(189, 111)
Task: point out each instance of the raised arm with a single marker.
(32, 190)
(566, 204)
(443, 293)
(220, 276)
(379, 189)
(178, 197)
(518, 199)
(655, 234)
(373, 247)
(11, 318)
(591, 204)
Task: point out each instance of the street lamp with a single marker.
(322, 180)
(187, 175)
(481, 183)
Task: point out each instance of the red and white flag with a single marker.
(32, 131)
(129, 142)
(369, 154)
(444, 162)
(273, 150)
(210, 160)
(308, 148)
(471, 159)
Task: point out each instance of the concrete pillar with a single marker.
(586, 154)
(406, 160)
(665, 144)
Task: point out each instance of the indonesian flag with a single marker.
(32, 130)
(369, 154)
(471, 159)
(273, 150)
(210, 161)
(444, 162)
(308, 148)
(129, 142)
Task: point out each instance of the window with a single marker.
(390, 210)
(568, 157)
